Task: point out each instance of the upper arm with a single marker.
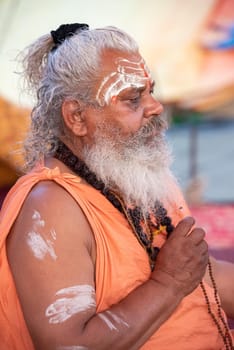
(51, 254)
(223, 272)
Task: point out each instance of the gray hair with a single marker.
(68, 72)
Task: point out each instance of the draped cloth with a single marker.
(122, 264)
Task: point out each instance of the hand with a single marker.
(182, 261)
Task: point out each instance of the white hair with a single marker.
(69, 71)
(138, 168)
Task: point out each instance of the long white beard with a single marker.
(137, 167)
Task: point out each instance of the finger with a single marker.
(184, 226)
(205, 259)
(204, 249)
(197, 235)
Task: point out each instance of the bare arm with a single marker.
(224, 277)
(51, 251)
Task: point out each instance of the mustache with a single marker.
(156, 123)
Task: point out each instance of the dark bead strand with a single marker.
(159, 211)
(134, 217)
(166, 221)
(65, 155)
(228, 345)
(80, 168)
(156, 251)
(218, 303)
(169, 229)
(72, 161)
(112, 198)
(137, 213)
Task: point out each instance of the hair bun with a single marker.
(66, 30)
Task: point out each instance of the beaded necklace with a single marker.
(144, 227)
(225, 334)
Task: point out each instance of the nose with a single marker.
(153, 107)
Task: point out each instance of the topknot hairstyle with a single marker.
(67, 69)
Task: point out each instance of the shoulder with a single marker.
(48, 207)
(51, 247)
(52, 201)
(49, 193)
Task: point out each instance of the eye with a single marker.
(152, 91)
(135, 100)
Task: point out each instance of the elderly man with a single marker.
(98, 250)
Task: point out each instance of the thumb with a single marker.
(184, 226)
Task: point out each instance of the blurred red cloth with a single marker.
(218, 221)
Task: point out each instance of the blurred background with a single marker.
(189, 47)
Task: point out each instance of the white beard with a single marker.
(138, 167)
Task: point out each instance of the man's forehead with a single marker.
(131, 66)
(113, 60)
(126, 64)
(121, 74)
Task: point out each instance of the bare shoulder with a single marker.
(49, 213)
(50, 205)
(51, 251)
(50, 197)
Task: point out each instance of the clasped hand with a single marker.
(182, 261)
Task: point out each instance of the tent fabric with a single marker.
(219, 231)
(14, 121)
(195, 59)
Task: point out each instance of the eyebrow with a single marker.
(134, 89)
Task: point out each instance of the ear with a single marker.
(73, 117)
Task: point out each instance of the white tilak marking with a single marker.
(117, 319)
(37, 219)
(132, 67)
(105, 316)
(105, 80)
(81, 298)
(123, 82)
(131, 74)
(53, 234)
(40, 246)
(108, 322)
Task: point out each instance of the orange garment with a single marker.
(122, 265)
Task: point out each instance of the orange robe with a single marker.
(122, 265)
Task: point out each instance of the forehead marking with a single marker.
(129, 67)
(76, 299)
(128, 74)
(105, 80)
(123, 82)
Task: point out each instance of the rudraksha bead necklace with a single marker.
(145, 227)
(225, 334)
